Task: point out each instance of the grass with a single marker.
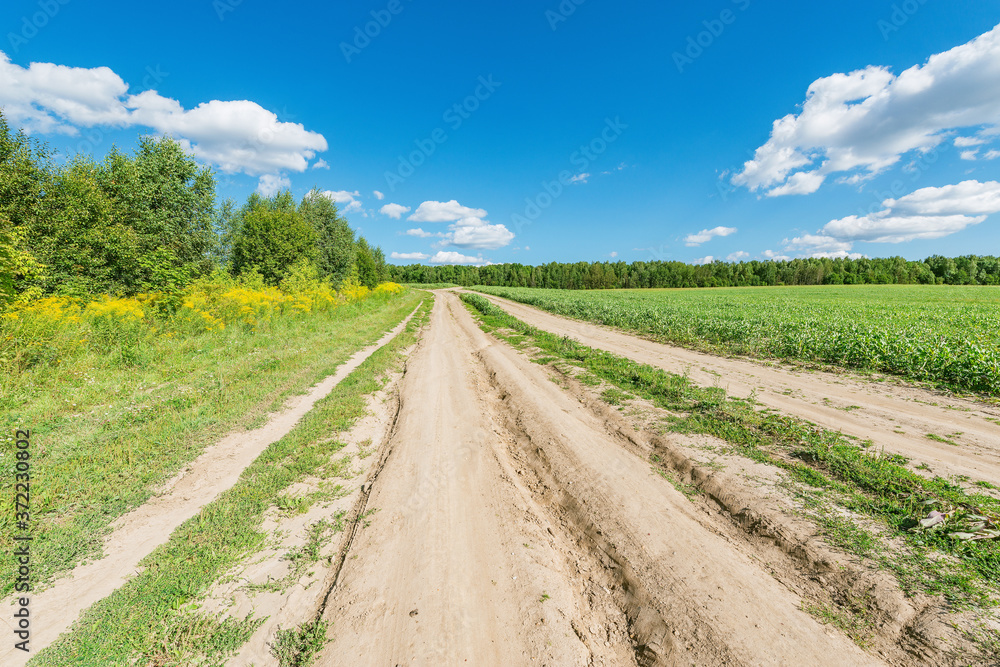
(105, 435)
(300, 646)
(124, 628)
(945, 335)
(865, 482)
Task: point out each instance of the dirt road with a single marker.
(899, 419)
(511, 527)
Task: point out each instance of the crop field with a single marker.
(945, 335)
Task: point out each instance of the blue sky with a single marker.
(657, 119)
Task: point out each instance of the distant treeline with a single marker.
(150, 222)
(967, 270)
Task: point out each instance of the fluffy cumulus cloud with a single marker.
(445, 211)
(380, 196)
(703, 260)
(271, 185)
(928, 213)
(451, 257)
(706, 235)
(236, 136)
(738, 256)
(468, 228)
(409, 256)
(348, 201)
(419, 233)
(860, 124)
(394, 210)
(321, 164)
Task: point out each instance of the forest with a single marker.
(967, 270)
(151, 222)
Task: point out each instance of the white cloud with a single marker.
(840, 254)
(394, 210)
(477, 233)
(419, 233)
(867, 120)
(321, 164)
(451, 257)
(928, 213)
(236, 136)
(968, 155)
(774, 256)
(469, 229)
(580, 178)
(992, 155)
(966, 142)
(349, 201)
(703, 260)
(806, 183)
(451, 211)
(816, 244)
(271, 184)
(706, 235)
(379, 196)
(737, 256)
(410, 256)
(612, 254)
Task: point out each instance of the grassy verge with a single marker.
(104, 435)
(954, 557)
(153, 619)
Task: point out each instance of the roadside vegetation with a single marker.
(947, 336)
(154, 619)
(934, 536)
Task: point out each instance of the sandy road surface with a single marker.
(513, 529)
(894, 417)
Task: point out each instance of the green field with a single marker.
(945, 335)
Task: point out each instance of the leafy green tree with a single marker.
(80, 238)
(364, 260)
(23, 180)
(335, 253)
(169, 202)
(272, 237)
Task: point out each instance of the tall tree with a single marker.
(272, 237)
(335, 253)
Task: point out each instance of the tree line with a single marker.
(150, 222)
(967, 270)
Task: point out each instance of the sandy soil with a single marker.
(513, 529)
(138, 533)
(896, 418)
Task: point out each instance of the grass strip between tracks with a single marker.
(829, 466)
(153, 619)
